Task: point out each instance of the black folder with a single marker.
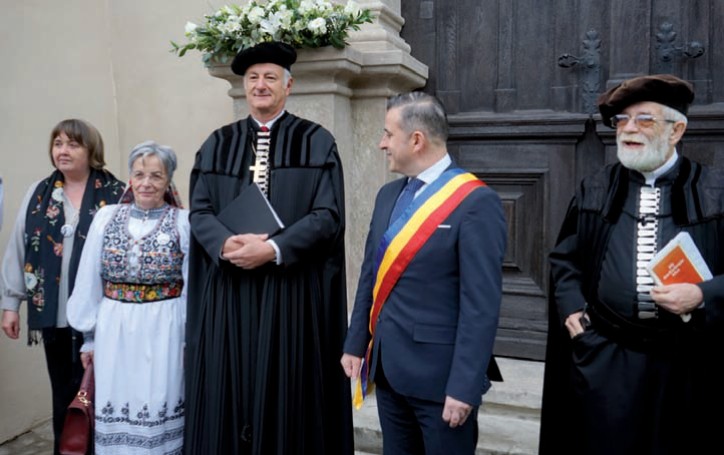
(251, 213)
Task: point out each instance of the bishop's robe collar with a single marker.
(651, 177)
(689, 201)
(256, 124)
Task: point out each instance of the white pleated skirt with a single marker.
(139, 402)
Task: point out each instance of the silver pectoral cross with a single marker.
(260, 168)
(260, 171)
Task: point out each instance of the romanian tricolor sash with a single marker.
(401, 242)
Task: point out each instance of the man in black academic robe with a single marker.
(622, 377)
(267, 314)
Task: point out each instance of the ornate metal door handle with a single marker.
(590, 63)
(667, 51)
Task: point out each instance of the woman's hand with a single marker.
(86, 358)
(11, 324)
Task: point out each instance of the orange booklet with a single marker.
(679, 262)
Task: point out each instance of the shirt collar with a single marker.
(430, 174)
(661, 170)
(270, 123)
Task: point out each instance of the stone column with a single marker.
(345, 90)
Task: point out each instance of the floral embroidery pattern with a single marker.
(57, 246)
(45, 235)
(35, 239)
(55, 205)
(140, 293)
(140, 418)
(35, 279)
(39, 300)
(155, 259)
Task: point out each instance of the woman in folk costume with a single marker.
(130, 303)
(42, 255)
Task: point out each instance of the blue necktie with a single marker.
(406, 197)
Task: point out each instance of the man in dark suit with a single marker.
(428, 299)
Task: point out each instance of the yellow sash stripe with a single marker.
(410, 228)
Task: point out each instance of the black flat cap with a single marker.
(276, 52)
(660, 88)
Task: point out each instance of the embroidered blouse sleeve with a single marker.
(88, 291)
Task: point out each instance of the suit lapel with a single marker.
(388, 203)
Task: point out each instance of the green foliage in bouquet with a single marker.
(300, 23)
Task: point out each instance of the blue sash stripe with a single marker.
(397, 226)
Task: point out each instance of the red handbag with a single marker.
(77, 436)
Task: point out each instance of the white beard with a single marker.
(651, 157)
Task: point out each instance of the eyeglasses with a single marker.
(641, 120)
(154, 177)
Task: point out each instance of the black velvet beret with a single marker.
(660, 88)
(276, 52)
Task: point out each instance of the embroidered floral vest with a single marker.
(155, 258)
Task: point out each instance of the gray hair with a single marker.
(421, 112)
(670, 113)
(151, 148)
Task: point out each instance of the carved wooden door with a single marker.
(520, 78)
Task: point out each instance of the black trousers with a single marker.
(65, 371)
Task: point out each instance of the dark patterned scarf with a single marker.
(44, 221)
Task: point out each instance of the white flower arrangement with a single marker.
(299, 23)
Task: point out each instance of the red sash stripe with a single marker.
(424, 232)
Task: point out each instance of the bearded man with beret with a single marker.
(632, 367)
(267, 312)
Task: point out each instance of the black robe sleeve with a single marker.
(567, 284)
(209, 232)
(321, 228)
(214, 183)
(559, 431)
